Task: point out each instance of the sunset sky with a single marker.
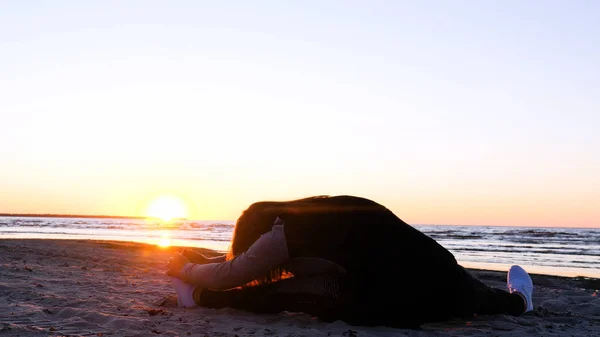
(446, 112)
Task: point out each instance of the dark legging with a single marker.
(335, 298)
(321, 296)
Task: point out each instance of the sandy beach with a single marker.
(109, 288)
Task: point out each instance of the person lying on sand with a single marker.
(340, 258)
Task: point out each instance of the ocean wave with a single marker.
(457, 236)
(557, 247)
(531, 250)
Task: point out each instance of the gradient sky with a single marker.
(447, 112)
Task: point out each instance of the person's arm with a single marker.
(268, 252)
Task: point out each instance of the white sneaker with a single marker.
(185, 293)
(518, 281)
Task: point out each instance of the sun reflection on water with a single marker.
(165, 240)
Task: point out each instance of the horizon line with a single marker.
(92, 216)
(85, 216)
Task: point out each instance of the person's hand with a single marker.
(175, 265)
(195, 257)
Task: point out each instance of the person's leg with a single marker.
(319, 296)
(486, 300)
(492, 301)
(439, 293)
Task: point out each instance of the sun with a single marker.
(166, 208)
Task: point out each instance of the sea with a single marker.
(540, 250)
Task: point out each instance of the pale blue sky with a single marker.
(463, 112)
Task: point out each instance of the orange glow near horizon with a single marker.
(565, 208)
(166, 208)
(198, 200)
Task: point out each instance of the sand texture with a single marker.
(107, 288)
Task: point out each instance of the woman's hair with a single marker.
(259, 218)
